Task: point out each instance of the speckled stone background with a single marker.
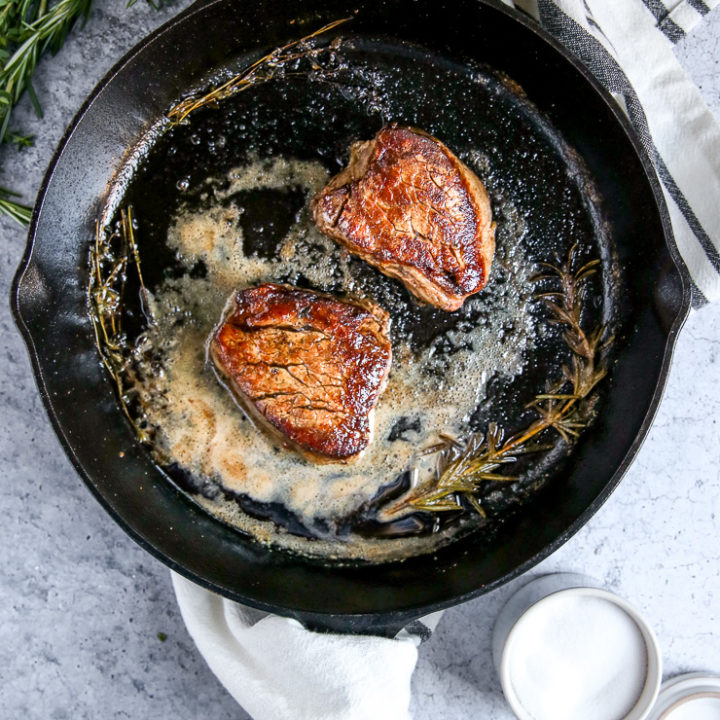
(83, 609)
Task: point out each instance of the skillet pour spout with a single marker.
(80, 399)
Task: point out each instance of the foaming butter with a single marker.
(199, 426)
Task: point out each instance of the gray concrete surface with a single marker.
(83, 609)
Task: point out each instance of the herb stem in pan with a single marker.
(464, 467)
(261, 71)
(106, 288)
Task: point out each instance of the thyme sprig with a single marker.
(112, 256)
(261, 71)
(463, 467)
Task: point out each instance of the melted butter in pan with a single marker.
(433, 388)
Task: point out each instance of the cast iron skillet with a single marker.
(49, 301)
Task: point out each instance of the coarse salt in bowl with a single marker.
(575, 652)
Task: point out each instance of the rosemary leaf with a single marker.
(21, 214)
(437, 506)
(20, 141)
(28, 30)
(464, 467)
(479, 509)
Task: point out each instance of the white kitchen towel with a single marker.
(278, 670)
(628, 46)
(275, 668)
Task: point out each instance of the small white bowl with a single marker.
(534, 598)
(693, 695)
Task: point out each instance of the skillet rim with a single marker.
(395, 617)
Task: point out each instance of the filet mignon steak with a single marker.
(408, 206)
(309, 365)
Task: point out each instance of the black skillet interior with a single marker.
(542, 200)
(80, 398)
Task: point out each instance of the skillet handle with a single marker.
(383, 626)
(29, 296)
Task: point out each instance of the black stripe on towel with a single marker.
(700, 6)
(606, 69)
(656, 7)
(703, 238)
(671, 29)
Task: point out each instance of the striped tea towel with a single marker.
(628, 46)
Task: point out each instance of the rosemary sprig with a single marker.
(261, 71)
(28, 29)
(21, 214)
(32, 29)
(21, 141)
(463, 467)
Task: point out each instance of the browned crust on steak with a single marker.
(408, 206)
(310, 366)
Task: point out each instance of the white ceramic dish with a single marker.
(533, 599)
(694, 696)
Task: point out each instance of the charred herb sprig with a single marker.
(112, 256)
(261, 71)
(464, 467)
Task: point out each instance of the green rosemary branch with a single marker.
(15, 211)
(29, 29)
(32, 29)
(463, 467)
(21, 141)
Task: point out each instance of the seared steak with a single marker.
(408, 206)
(311, 366)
